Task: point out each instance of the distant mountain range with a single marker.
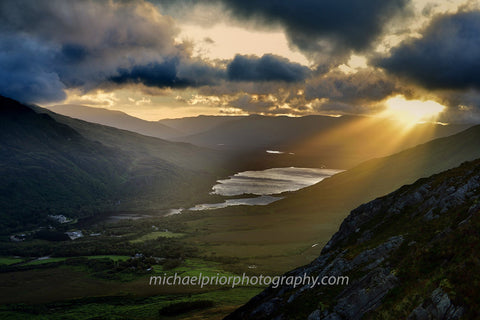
(117, 119)
(196, 125)
(311, 141)
(52, 164)
(163, 129)
(316, 141)
(412, 254)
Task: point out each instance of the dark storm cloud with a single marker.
(364, 86)
(48, 46)
(266, 68)
(25, 71)
(170, 73)
(328, 29)
(354, 24)
(152, 75)
(73, 53)
(446, 57)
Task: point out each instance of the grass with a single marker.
(193, 267)
(122, 307)
(56, 294)
(43, 261)
(9, 261)
(157, 234)
(59, 259)
(111, 257)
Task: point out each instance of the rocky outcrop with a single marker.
(438, 307)
(381, 246)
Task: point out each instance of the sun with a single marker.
(411, 112)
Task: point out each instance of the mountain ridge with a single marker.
(410, 254)
(51, 167)
(309, 141)
(117, 119)
(316, 141)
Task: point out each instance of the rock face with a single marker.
(439, 307)
(409, 255)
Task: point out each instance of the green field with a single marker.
(64, 292)
(8, 260)
(158, 234)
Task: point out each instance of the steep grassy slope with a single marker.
(48, 167)
(377, 177)
(412, 254)
(182, 154)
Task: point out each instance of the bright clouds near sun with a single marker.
(163, 58)
(412, 111)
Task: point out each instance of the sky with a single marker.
(415, 60)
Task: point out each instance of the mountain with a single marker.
(79, 169)
(379, 176)
(195, 125)
(293, 230)
(311, 141)
(316, 141)
(163, 129)
(116, 119)
(183, 154)
(412, 254)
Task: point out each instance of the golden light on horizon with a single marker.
(411, 112)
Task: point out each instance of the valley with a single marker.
(123, 244)
(250, 160)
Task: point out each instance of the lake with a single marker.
(264, 184)
(271, 181)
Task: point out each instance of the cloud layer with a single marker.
(320, 26)
(445, 57)
(267, 68)
(52, 47)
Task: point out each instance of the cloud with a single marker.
(266, 68)
(445, 57)
(22, 76)
(48, 46)
(326, 31)
(170, 73)
(332, 27)
(365, 86)
(335, 92)
(152, 74)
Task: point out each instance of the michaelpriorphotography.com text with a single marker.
(246, 280)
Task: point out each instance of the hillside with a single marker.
(288, 228)
(409, 255)
(311, 141)
(376, 177)
(49, 167)
(196, 125)
(116, 119)
(316, 141)
(182, 154)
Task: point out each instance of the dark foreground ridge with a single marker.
(51, 164)
(412, 254)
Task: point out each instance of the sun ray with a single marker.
(411, 112)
